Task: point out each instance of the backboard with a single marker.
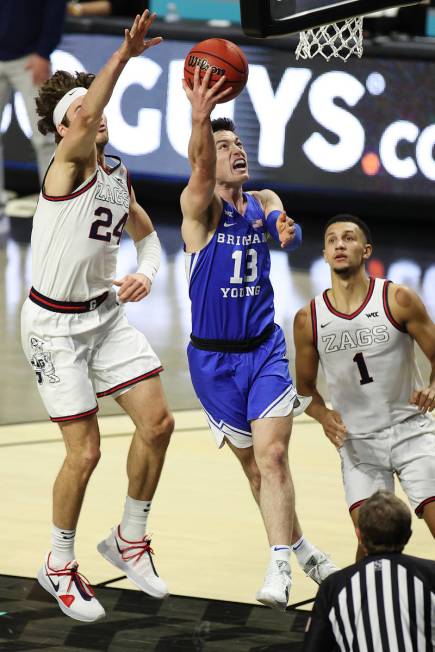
(263, 18)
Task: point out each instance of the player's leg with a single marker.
(127, 546)
(360, 554)
(146, 405)
(429, 516)
(277, 499)
(59, 574)
(413, 454)
(82, 443)
(21, 79)
(125, 367)
(61, 371)
(366, 468)
(277, 504)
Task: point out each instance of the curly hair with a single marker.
(52, 91)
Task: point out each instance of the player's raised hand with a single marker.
(424, 399)
(334, 428)
(134, 39)
(202, 96)
(286, 229)
(133, 287)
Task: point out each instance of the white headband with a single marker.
(63, 105)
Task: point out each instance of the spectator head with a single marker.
(384, 524)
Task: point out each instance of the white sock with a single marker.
(303, 550)
(62, 546)
(280, 553)
(134, 520)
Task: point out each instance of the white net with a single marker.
(339, 40)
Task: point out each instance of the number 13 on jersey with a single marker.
(250, 269)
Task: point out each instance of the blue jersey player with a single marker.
(237, 354)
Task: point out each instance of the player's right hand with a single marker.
(204, 97)
(334, 428)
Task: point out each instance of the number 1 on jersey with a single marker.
(362, 368)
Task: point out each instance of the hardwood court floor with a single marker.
(208, 535)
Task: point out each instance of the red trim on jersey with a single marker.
(314, 321)
(356, 312)
(81, 415)
(387, 310)
(133, 381)
(108, 170)
(73, 195)
(357, 504)
(420, 508)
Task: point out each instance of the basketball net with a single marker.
(339, 40)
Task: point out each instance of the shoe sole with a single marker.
(104, 551)
(47, 587)
(270, 602)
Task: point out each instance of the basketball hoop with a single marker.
(339, 40)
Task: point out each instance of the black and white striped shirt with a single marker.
(384, 603)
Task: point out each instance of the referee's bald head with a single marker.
(384, 523)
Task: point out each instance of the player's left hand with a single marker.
(286, 229)
(424, 399)
(134, 38)
(40, 69)
(133, 287)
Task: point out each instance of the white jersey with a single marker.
(75, 238)
(368, 360)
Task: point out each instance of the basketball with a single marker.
(225, 58)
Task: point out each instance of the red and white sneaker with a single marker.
(72, 591)
(134, 559)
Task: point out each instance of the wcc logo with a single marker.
(372, 314)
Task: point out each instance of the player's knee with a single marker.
(84, 460)
(274, 459)
(159, 433)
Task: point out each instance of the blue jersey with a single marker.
(229, 285)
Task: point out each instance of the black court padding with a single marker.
(31, 621)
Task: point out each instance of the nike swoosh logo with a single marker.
(283, 548)
(323, 325)
(55, 586)
(229, 223)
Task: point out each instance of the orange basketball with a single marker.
(226, 58)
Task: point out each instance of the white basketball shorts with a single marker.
(406, 450)
(79, 357)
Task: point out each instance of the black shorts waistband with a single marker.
(66, 306)
(233, 346)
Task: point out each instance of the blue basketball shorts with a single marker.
(236, 388)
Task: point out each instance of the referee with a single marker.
(384, 603)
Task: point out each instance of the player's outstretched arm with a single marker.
(198, 196)
(307, 365)
(408, 310)
(79, 139)
(134, 287)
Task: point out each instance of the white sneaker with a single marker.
(300, 405)
(134, 559)
(319, 566)
(72, 591)
(276, 588)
